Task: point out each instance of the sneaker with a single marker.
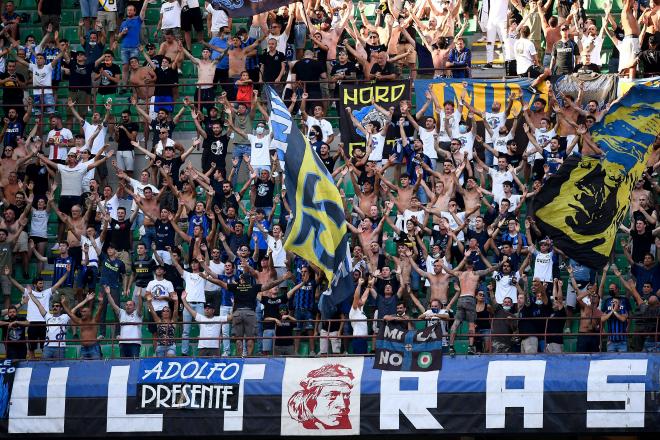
(56, 247)
(483, 39)
(452, 351)
(312, 354)
(532, 90)
(487, 66)
(471, 350)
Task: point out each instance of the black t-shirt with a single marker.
(329, 162)
(51, 7)
(164, 234)
(38, 174)
(556, 326)
(216, 148)
(272, 309)
(107, 87)
(347, 69)
(284, 333)
(11, 92)
(372, 49)
(156, 59)
(649, 61)
(166, 81)
(387, 69)
(264, 194)
(309, 70)
(641, 243)
(80, 76)
(272, 65)
(174, 164)
(225, 201)
(15, 340)
(394, 132)
(120, 235)
(245, 295)
(173, 276)
(123, 141)
(144, 271)
(565, 53)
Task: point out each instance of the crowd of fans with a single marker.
(442, 225)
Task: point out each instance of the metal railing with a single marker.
(346, 339)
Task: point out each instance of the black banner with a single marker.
(248, 8)
(358, 98)
(188, 396)
(411, 350)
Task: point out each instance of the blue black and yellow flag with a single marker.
(581, 206)
(411, 350)
(318, 231)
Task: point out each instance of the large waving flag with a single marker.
(582, 205)
(318, 231)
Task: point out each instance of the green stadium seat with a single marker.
(68, 17)
(70, 33)
(29, 5)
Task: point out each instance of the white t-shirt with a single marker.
(218, 269)
(161, 293)
(219, 18)
(428, 140)
(514, 200)
(42, 77)
(360, 328)
(442, 132)
(499, 144)
(326, 127)
(39, 224)
(159, 146)
(33, 314)
(61, 136)
(595, 52)
(91, 253)
(171, 12)
(525, 52)
(209, 328)
(495, 120)
(452, 222)
(259, 151)
(138, 187)
(132, 333)
(277, 251)
(499, 177)
(542, 138)
(543, 266)
(99, 142)
(504, 287)
(72, 179)
(190, 3)
(56, 330)
(194, 286)
(281, 41)
(377, 147)
(467, 143)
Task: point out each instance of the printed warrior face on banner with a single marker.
(323, 402)
(368, 115)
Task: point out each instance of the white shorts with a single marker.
(125, 160)
(628, 50)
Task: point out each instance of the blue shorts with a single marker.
(89, 8)
(304, 315)
(266, 342)
(300, 35)
(163, 102)
(129, 52)
(91, 352)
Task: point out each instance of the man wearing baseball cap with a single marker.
(209, 327)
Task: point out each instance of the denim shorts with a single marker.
(266, 342)
(89, 8)
(166, 350)
(91, 352)
(128, 52)
(304, 315)
(300, 35)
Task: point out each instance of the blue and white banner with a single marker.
(335, 396)
(247, 8)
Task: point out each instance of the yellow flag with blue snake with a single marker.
(318, 231)
(581, 206)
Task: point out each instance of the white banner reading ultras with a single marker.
(335, 396)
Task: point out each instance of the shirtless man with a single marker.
(170, 49)
(150, 207)
(552, 33)
(368, 195)
(567, 117)
(472, 197)
(637, 195)
(536, 113)
(404, 192)
(141, 77)
(590, 313)
(365, 232)
(205, 71)
(466, 307)
(76, 225)
(237, 55)
(89, 324)
(439, 281)
(440, 199)
(629, 48)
